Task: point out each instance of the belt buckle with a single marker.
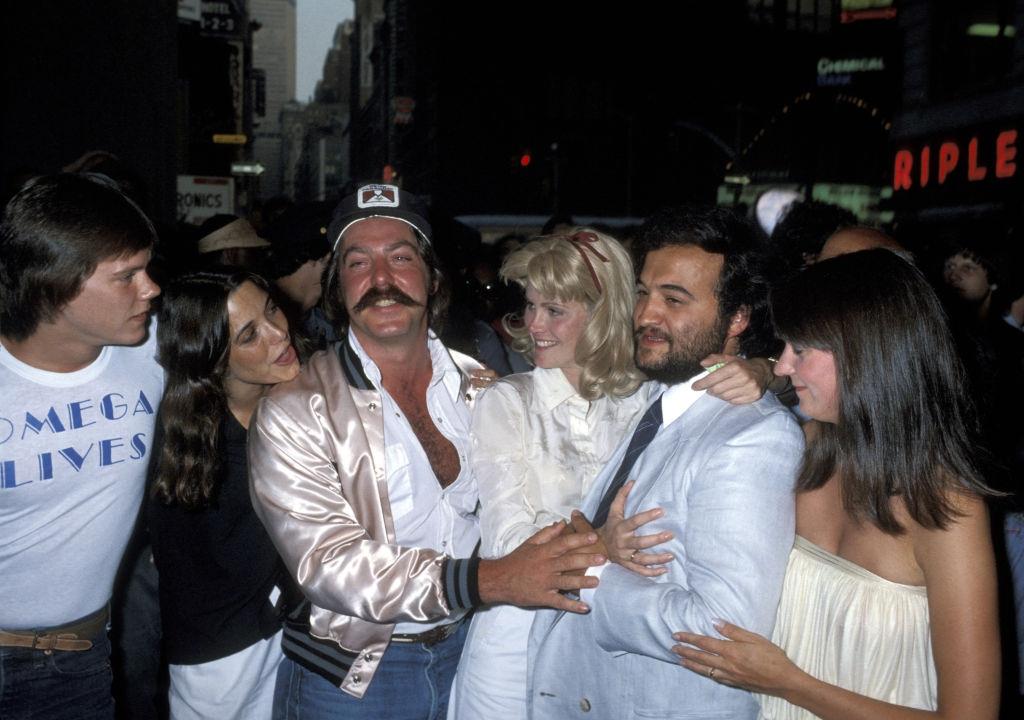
(44, 641)
(440, 634)
(431, 637)
(50, 641)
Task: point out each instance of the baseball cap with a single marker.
(375, 200)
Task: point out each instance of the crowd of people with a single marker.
(337, 461)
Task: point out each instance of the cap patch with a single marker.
(377, 196)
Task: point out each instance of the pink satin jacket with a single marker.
(317, 477)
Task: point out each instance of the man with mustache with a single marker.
(721, 475)
(358, 469)
(79, 389)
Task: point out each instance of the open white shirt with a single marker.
(425, 514)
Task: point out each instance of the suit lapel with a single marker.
(670, 442)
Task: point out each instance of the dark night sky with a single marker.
(643, 81)
(629, 92)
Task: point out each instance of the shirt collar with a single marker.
(551, 389)
(678, 398)
(443, 368)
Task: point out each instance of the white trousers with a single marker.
(492, 675)
(237, 687)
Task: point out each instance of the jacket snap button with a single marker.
(372, 406)
(368, 657)
(356, 679)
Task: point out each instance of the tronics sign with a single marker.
(981, 159)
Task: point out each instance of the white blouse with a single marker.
(536, 447)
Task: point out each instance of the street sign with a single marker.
(227, 139)
(220, 19)
(247, 168)
(200, 198)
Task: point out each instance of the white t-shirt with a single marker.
(74, 450)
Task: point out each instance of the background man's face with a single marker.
(384, 280)
(967, 277)
(676, 319)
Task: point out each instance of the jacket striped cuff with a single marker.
(461, 590)
(323, 657)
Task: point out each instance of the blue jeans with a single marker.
(412, 682)
(71, 685)
(135, 637)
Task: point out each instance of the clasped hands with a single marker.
(617, 538)
(554, 560)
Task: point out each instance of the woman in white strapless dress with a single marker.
(889, 604)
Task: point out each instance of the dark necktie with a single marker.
(642, 437)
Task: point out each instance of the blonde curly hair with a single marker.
(592, 268)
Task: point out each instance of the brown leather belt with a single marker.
(74, 637)
(429, 637)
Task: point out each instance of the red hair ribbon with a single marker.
(584, 240)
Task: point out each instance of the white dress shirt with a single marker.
(536, 448)
(425, 514)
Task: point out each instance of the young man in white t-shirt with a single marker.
(80, 390)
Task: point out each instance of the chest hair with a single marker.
(443, 457)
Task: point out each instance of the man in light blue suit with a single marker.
(723, 475)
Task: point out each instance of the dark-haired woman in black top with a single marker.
(222, 342)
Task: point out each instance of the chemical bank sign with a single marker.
(834, 72)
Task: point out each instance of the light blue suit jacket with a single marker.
(724, 475)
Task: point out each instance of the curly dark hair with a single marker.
(743, 282)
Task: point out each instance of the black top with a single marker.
(217, 566)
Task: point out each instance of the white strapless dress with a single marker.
(851, 628)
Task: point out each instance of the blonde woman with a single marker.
(540, 438)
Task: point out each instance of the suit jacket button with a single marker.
(585, 705)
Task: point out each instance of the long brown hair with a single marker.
(194, 342)
(907, 426)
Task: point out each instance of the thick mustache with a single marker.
(389, 293)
